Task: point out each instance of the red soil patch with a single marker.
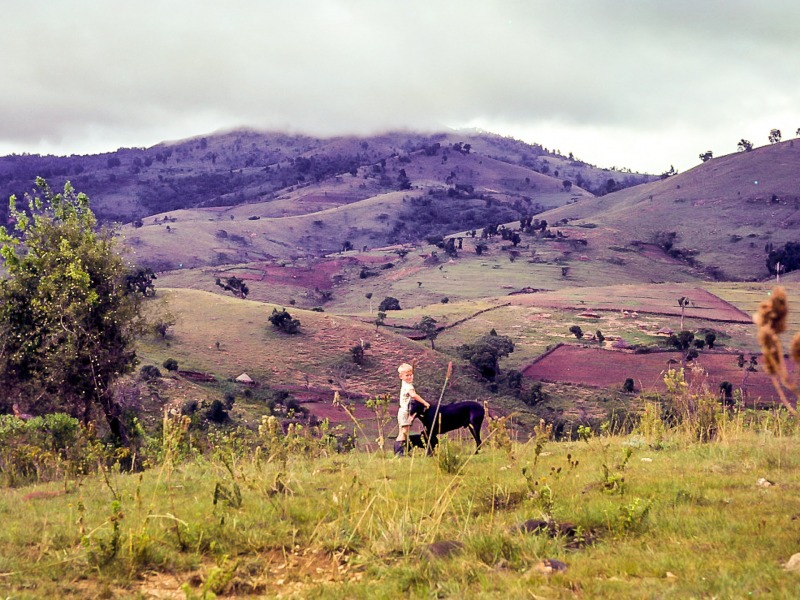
(320, 275)
(600, 368)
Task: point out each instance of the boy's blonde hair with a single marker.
(404, 368)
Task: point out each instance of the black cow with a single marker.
(449, 417)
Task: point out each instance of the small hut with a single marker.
(245, 379)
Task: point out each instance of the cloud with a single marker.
(659, 82)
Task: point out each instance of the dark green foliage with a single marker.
(217, 412)
(787, 257)
(282, 320)
(170, 364)
(534, 394)
(427, 326)
(710, 339)
(389, 303)
(67, 319)
(357, 352)
(628, 385)
(486, 352)
(140, 281)
(726, 388)
(576, 331)
(149, 372)
(235, 285)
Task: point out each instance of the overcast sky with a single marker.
(642, 84)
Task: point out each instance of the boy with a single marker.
(407, 394)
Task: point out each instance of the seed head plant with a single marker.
(771, 322)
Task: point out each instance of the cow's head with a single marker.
(416, 409)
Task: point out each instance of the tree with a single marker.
(744, 145)
(710, 339)
(235, 285)
(567, 184)
(389, 303)
(774, 136)
(683, 302)
(68, 321)
(706, 156)
(368, 296)
(576, 331)
(141, 281)
(427, 326)
(683, 342)
(282, 320)
(486, 352)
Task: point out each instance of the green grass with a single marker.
(672, 519)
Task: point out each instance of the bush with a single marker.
(284, 321)
(217, 412)
(149, 372)
(389, 303)
(170, 364)
(486, 352)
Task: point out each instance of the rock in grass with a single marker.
(548, 566)
(443, 548)
(793, 564)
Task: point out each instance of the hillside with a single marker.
(245, 166)
(718, 216)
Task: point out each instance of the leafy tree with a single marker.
(358, 352)
(235, 285)
(486, 352)
(744, 145)
(567, 184)
(282, 320)
(599, 337)
(427, 326)
(170, 364)
(710, 339)
(389, 303)
(534, 395)
(576, 331)
(683, 342)
(706, 156)
(68, 321)
(141, 281)
(628, 386)
(774, 136)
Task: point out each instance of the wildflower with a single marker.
(772, 312)
(771, 349)
(795, 348)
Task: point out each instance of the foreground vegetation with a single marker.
(706, 507)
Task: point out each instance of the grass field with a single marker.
(651, 514)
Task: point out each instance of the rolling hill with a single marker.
(718, 216)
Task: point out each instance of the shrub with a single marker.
(389, 303)
(217, 412)
(486, 352)
(149, 372)
(170, 364)
(576, 331)
(282, 320)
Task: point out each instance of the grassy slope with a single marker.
(692, 522)
(316, 219)
(723, 209)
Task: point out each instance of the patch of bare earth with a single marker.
(596, 367)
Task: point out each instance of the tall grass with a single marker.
(654, 513)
